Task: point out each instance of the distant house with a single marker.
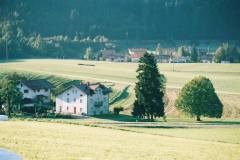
(137, 50)
(168, 51)
(163, 58)
(111, 56)
(83, 99)
(183, 59)
(135, 57)
(33, 88)
(206, 58)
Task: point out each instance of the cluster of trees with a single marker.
(197, 98)
(193, 54)
(16, 43)
(226, 52)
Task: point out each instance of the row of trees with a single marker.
(197, 98)
(16, 43)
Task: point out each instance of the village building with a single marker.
(135, 57)
(83, 99)
(33, 88)
(111, 56)
(137, 51)
(163, 58)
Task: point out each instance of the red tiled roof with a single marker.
(136, 55)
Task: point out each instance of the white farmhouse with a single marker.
(83, 99)
(33, 88)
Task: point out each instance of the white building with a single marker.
(83, 99)
(33, 88)
(137, 50)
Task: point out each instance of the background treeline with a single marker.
(65, 29)
(128, 19)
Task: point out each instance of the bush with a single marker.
(64, 116)
(117, 110)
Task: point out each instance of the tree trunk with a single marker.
(9, 107)
(148, 117)
(35, 109)
(152, 118)
(198, 118)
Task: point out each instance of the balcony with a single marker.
(98, 104)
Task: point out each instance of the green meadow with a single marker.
(109, 137)
(225, 77)
(122, 76)
(92, 139)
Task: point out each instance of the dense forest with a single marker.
(61, 26)
(133, 19)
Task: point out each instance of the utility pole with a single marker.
(173, 67)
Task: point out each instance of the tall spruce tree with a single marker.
(149, 89)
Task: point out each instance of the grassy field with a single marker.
(45, 140)
(225, 77)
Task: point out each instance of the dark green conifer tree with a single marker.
(149, 89)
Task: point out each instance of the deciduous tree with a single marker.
(198, 98)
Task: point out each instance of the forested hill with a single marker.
(128, 19)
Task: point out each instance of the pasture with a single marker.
(110, 137)
(78, 139)
(225, 77)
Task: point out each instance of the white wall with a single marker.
(33, 93)
(92, 109)
(75, 100)
(87, 105)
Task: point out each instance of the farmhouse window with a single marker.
(80, 100)
(60, 109)
(38, 90)
(67, 108)
(67, 99)
(98, 104)
(80, 109)
(26, 91)
(46, 90)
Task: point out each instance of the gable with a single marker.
(72, 90)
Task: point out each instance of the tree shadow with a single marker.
(120, 118)
(157, 126)
(220, 122)
(12, 60)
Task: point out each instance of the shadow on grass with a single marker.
(12, 60)
(157, 127)
(220, 122)
(120, 118)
